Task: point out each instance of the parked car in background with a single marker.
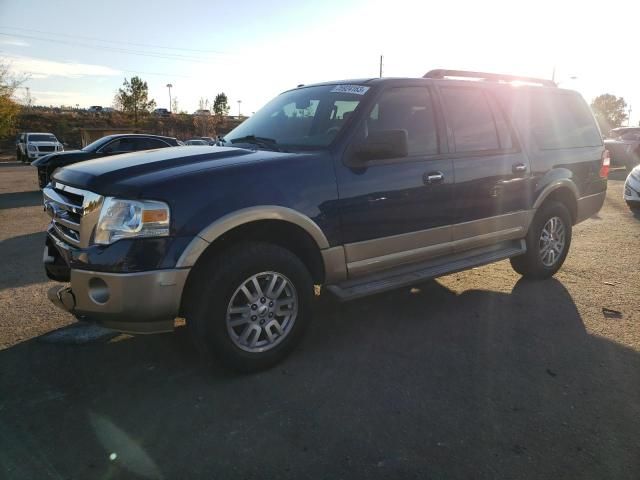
(624, 146)
(196, 141)
(95, 109)
(209, 140)
(103, 147)
(632, 189)
(161, 112)
(202, 112)
(30, 146)
(360, 186)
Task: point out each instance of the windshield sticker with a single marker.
(356, 89)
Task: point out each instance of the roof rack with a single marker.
(491, 77)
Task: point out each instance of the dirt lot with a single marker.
(475, 375)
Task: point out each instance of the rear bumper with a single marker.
(590, 205)
(143, 302)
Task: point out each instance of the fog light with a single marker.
(98, 290)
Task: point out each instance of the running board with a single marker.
(409, 275)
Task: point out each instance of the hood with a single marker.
(129, 174)
(59, 159)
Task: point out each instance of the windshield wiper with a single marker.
(264, 142)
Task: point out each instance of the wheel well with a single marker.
(565, 196)
(278, 232)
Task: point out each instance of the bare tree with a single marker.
(9, 108)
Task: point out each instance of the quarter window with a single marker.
(471, 119)
(560, 120)
(409, 109)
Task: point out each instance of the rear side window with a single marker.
(472, 120)
(560, 120)
(410, 109)
(151, 143)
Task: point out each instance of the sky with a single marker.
(79, 52)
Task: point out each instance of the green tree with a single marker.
(610, 111)
(134, 98)
(221, 104)
(9, 108)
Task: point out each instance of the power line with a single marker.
(185, 58)
(161, 74)
(149, 45)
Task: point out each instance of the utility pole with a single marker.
(381, 66)
(239, 102)
(169, 87)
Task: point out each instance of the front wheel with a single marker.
(251, 306)
(548, 241)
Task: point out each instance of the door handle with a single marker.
(519, 168)
(433, 177)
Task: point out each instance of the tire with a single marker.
(534, 264)
(216, 298)
(635, 206)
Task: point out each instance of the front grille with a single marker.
(46, 148)
(73, 212)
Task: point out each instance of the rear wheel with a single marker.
(19, 157)
(548, 242)
(251, 306)
(635, 206)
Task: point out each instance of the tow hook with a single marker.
(62, 298)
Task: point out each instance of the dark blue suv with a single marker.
(357, 186)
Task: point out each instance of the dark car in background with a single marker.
(624, 146)
(105, 146)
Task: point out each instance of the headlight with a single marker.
(32, 148)
(131, 219)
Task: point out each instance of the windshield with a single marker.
(97, 144)
(305, 117)
(42, 138)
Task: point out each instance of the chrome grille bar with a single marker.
(74, 212)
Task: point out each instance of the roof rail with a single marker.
(492, 77)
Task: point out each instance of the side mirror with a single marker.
(383, 144)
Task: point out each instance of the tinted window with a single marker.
(502, 126)
(409, 109)
(470, 118)
(150, 143)
(121, 145)
(562, 121)
(42, 138)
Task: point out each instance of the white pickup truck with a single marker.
(31, 146)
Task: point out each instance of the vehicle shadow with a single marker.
(424, 383)
(20, 199)
(24, 260)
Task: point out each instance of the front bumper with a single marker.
(143, 302)
(631, 191)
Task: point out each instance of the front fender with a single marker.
(244, 216)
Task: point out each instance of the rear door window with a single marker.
(472, 121)
(561, 120)
(150, 143)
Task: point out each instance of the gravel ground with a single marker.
(476, 375)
